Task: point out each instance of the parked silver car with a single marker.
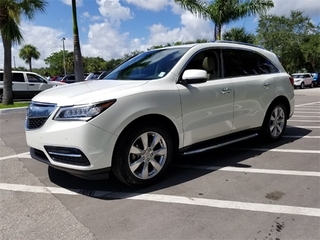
(302, 80)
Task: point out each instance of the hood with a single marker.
(87, 92)
(55, 83)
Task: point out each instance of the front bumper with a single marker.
(77, 147)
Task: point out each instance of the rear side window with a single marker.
(16, 77)
(239, 63)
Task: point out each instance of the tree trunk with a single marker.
(30, 65)
(7, 98)
(78, 64)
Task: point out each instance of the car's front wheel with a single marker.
(302, 85)
(275, 122)
(143, 154)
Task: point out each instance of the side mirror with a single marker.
(193, 76)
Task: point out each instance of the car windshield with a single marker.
(149, 65)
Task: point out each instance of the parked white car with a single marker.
(159, 103)
(25, 85)
(302, 80)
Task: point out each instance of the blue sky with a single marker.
(112, 28)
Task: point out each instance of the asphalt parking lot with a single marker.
(250, 190)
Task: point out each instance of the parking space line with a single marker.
(279, 150)
(294, 136)
(251, 170)
(292, 120)
(306, 127)
(20, 155)
(301, 116)
(223, 204)
(307, 104)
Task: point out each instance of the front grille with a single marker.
(67, 155)
(38, 114)
(33, 123)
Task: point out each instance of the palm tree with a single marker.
(27, 52)
(222, 12)
(239, 35)
(78, 62)
(11, 12)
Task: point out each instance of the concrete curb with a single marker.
(13, 110)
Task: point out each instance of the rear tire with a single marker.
(311, 85)
(275, 122)
(142, 154)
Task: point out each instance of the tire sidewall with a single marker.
(266, 125)
(120, 162)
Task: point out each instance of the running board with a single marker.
(219, 145)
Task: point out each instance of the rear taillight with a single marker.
(291, 81)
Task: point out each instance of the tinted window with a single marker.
(246, 63)
(16, 77)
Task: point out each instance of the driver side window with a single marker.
(34, 78)
(207, 60)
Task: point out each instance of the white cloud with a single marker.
(192, 28)
(310, 8)
(114, 11)
(153, 5)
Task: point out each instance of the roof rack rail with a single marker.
(242, 43)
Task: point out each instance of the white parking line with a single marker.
(293, 136)
(305, 112)
(20, 155)
(306, 127)
(315, 121)
(280, 150)
(307, 104)
(252, 170)
(257, 207)
(299, 116)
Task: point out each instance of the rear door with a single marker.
(19, 86)
(254, 86)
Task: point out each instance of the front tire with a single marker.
(275, 122)
(302, 85)
(142, 154)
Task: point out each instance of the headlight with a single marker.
(82, 112)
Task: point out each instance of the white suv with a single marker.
(158, 103)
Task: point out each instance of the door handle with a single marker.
(225, 90)
(266, 85)
(31, 84)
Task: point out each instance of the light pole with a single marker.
(64, 57)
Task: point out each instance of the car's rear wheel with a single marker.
(302, 85)
(311, 85)
(275, 122)
(142, 154)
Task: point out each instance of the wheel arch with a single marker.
(157, 118)
(284, 101)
